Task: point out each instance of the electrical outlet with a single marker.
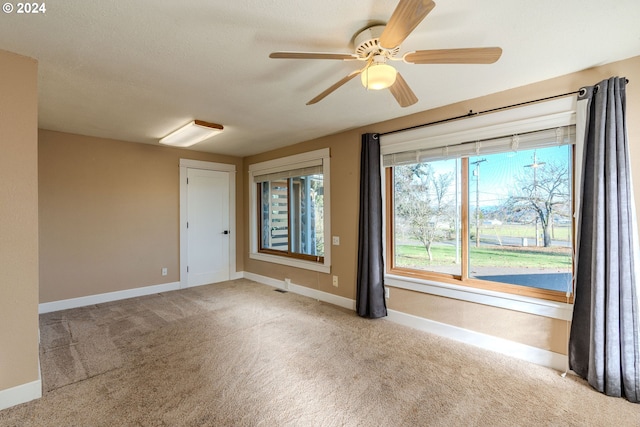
(335, 281)
(386, 293)
(164, 271)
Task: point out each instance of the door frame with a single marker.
(219, 167)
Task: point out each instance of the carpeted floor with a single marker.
(240, 354)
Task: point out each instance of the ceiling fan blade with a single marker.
(406, 17)
(310, 55)
(480, 55)
(402, 92)
(334, 87)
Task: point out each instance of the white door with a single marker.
(208, 231)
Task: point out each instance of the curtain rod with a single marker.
(471, 113)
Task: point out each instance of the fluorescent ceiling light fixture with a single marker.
(378, 76)
(192, 133)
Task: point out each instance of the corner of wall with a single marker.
(19, 230)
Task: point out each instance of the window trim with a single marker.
(524, 304)
(321, 264)
(560, 112)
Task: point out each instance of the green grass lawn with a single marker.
(485, 256)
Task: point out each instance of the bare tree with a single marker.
(542, 191)
(421, 200)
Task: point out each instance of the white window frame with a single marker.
(284, 164)
(543, 115)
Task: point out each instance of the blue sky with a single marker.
(500, 172)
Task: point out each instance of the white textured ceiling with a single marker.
(135, 70)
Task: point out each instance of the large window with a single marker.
(495, 214)
(289, 204)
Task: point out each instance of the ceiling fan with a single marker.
(379, 44)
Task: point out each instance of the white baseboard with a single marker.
(48, 307)
(303, 290)
(500, 345)
(264, 280)
(323, 296)
(236, 275)
(20, 394)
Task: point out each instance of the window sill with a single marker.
(540, 307)
(292, 262)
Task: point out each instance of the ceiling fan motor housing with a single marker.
(367, 42)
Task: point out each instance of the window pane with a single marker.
(520, 210)
(275, 210)
(427, 216)
(307, 219)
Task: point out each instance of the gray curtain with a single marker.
(604, 345)
(370, 283)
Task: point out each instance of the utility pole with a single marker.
(535, 165)
(476, 172)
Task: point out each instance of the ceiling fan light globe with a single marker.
(377, 77)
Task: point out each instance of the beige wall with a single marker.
(109, 214)
(18, 221)
(537, 331)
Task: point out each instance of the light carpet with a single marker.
(239, 354)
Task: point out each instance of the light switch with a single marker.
(335, 240)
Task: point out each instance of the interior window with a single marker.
(292, 215)
(289, 199)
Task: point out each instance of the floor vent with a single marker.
(282, 291)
